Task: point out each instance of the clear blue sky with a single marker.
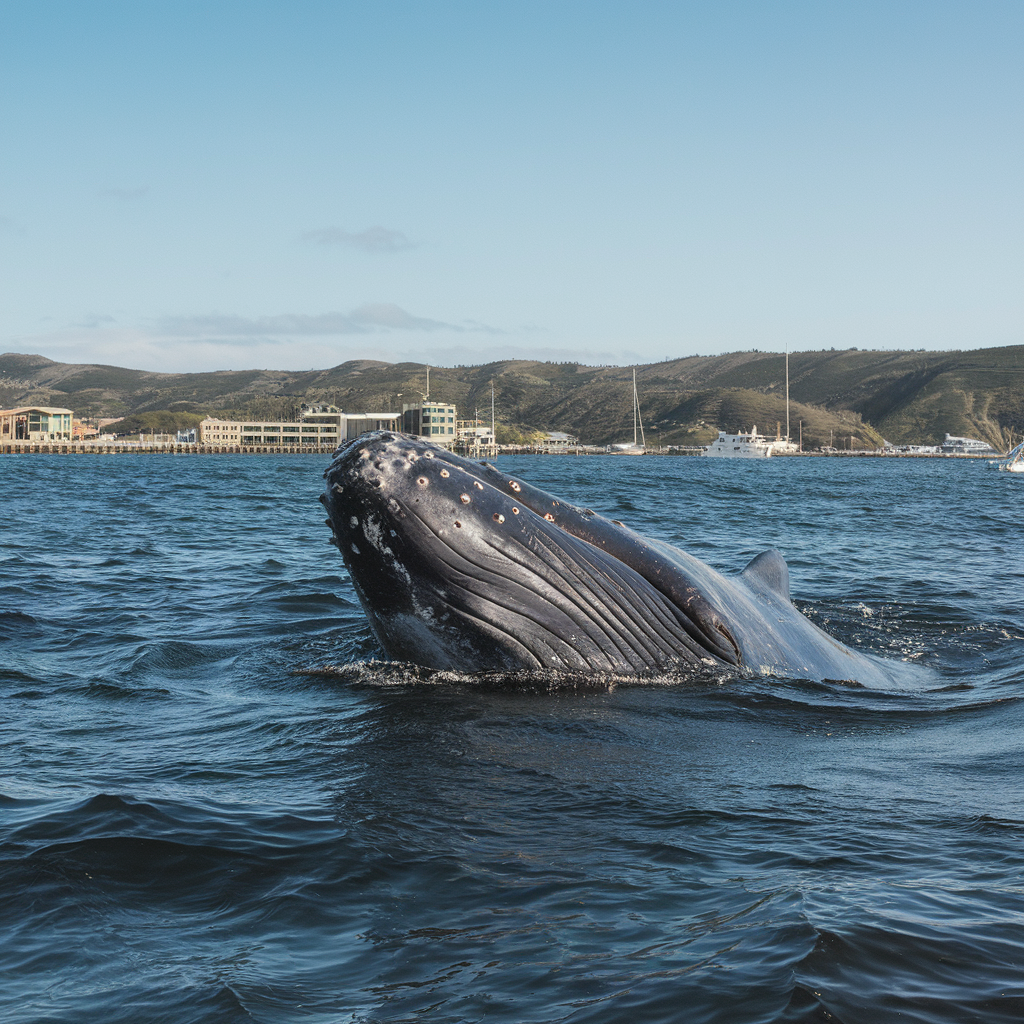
(220, 185)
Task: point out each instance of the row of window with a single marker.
(274, 439)
(274, 430)
(269, 428)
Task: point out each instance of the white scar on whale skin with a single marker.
(373, 531)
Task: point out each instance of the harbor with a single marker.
(207, 448)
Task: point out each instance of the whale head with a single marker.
(459, 566)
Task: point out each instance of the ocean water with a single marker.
(214, 806)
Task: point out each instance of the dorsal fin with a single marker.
(768, 571)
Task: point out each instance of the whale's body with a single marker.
(461, 567)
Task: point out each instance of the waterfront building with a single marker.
(35, 423)
(558, 441)
(318, 425)
(475, 437)
(82, 431)
(434, 420)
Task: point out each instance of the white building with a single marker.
(433, 420)
(35, 423)
(320, 425)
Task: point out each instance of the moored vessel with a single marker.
(740, 446)
(639, 445)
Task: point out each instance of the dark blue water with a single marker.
(195, 826)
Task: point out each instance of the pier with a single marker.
(169, 448)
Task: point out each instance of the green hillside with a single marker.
(854, 395)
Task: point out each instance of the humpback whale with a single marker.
(460, 566)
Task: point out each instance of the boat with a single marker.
(1014, 461)
(740, 446)
(754, 445)
(966, 446)
(639, 445)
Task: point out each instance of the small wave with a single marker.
(15, 677)
(912, 971)
(987, 823)
(173, 657)
(104, 690)
(19, 625)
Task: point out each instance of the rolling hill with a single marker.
(905, 397)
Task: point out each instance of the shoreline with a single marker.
(137, 448)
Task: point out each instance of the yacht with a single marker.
(740, 446)
(965, 446)
(754, 445)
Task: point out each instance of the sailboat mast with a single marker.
(636, 411)
(637, 421)
(787, 392)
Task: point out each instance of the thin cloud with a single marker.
(375, 239)
(119, 345)
(284, 323)
(93, 320)
(245, 341)
(475, 325)
(392, 317)
(373, 318)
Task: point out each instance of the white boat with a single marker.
(754, 445)
(639, 445)
(965, 446)
(784, 446)
(1014, 461)
(740, 446)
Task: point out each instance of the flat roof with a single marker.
(48, 409)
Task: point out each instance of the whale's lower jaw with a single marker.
(455, 573)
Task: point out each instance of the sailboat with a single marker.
(1014, 461)
(784, 445)
(639, 445)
